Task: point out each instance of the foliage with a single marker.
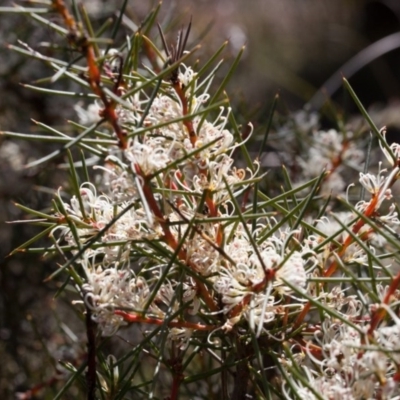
(179, 246)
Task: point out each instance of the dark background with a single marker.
(292, 47)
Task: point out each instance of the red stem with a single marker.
(334, 264)
(130, 317)
(185, 111)
(171, 241)
(94, 75)
(380, 312)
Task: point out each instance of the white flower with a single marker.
(292, 271)
(186, 75)
(150, 157)
(88, 116)
(373, 183)
(203, 256)
(379, 185)
(333, 151)
(119, 182)
(110, 288)
(394, 147)
(261, 310)
(181, 336)
(165, 109)
(97, 213)
(230, 285)
(218, 171)
(391, 218)
(210, 132)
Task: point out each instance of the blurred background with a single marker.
(294, 48)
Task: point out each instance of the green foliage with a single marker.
(197, 272)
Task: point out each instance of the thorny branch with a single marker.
(80, 42)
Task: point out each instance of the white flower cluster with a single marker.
(349, 366)
(94, 213)
(164, 223)
(250, 282)
(334, 152)
(295, 285)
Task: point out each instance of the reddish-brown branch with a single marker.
(172, 242)
(34, 392)
(176, 382)
(337, 161)
(315, 350)
(177, 374)
(246, 196)
(240, 386)
(109, 114)
(219, 237)
(94, 79)
(78, 40)
(237, 310)
(130, 317)
(152, 203)
(377, 316)
(69, 21)
(369, 211)
(257, 288)
(381, 312)
(396, 376)
(212, 208)
(187, 122)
